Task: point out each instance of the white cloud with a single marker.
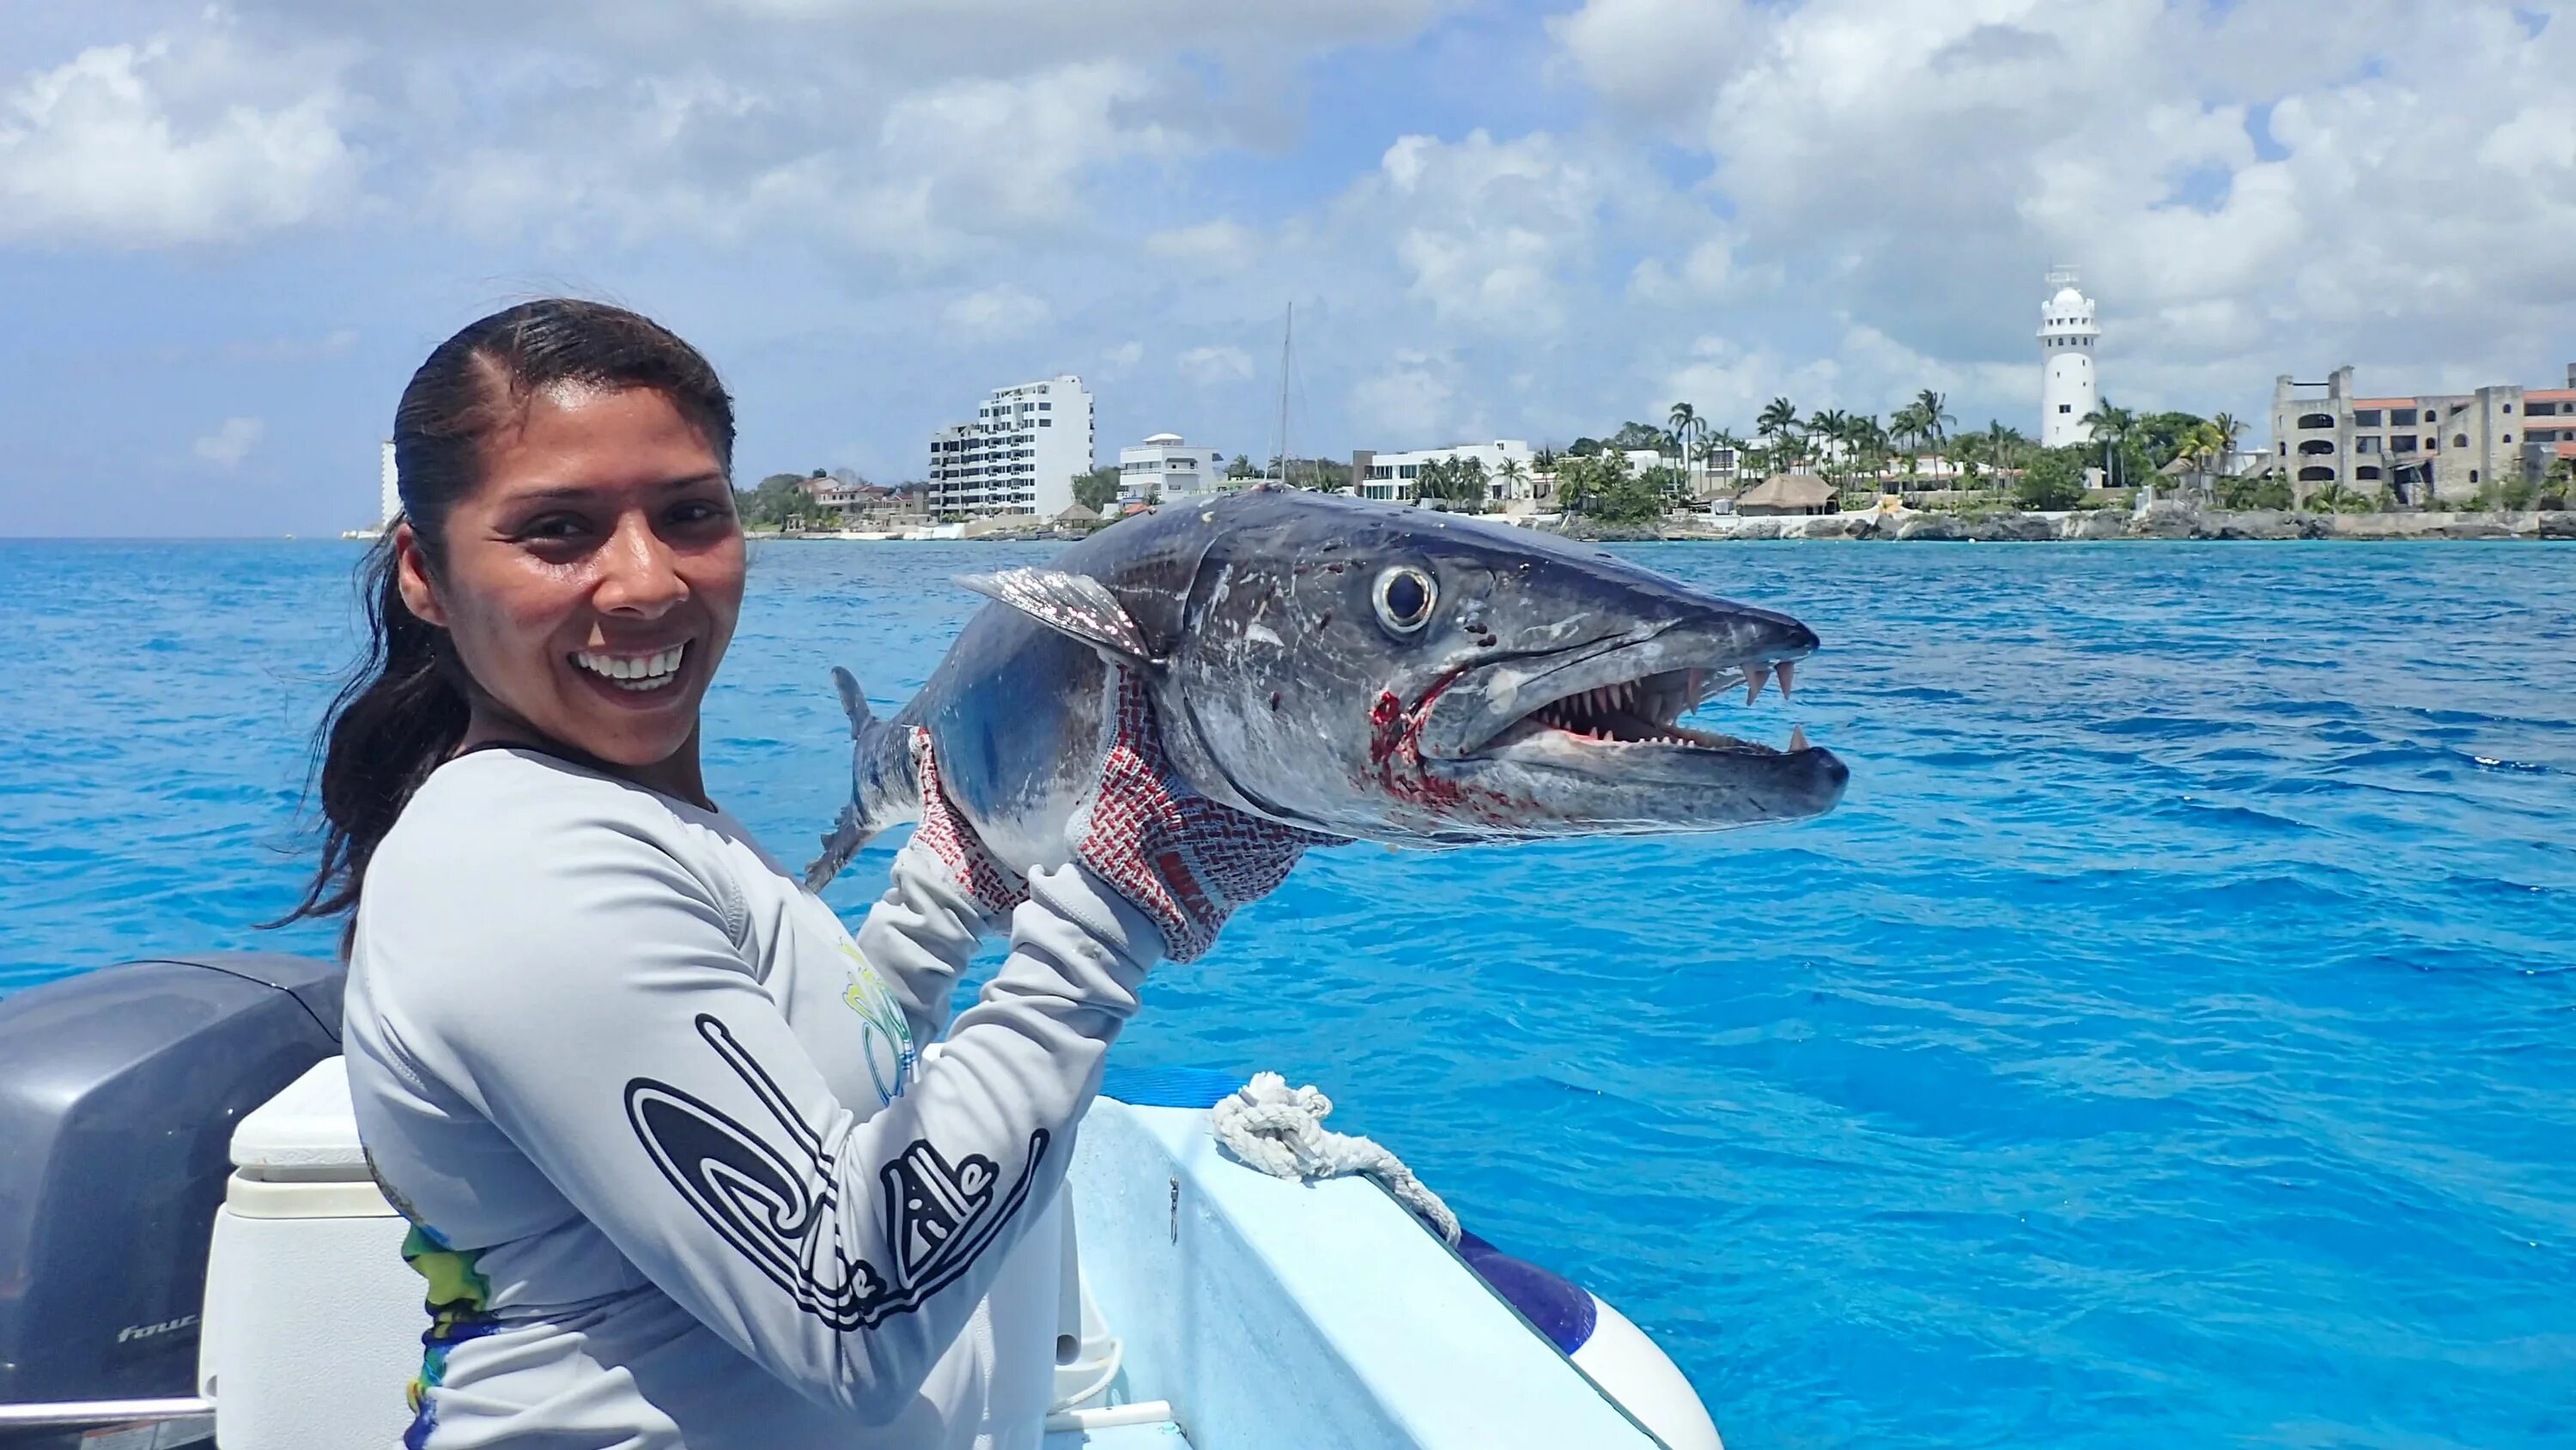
(1413, 403)
(1916, 167)
(1654, 58)
(1706, 274)
(1215, 366)
(175, 141)
(228, 445)
(996, 312)
(1491, 232)
(1124, 356)
(1221, 246)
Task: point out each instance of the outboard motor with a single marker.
(119, 1090)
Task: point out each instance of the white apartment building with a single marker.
(1391, 476)
(1166, 467)
(1027, 445)
(388, 491)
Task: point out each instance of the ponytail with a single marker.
(399, 716)
(405, 707)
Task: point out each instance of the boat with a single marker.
(193, 1251)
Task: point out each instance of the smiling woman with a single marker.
(566, 523)
(677, 1166)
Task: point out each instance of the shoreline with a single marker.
(2157, 522)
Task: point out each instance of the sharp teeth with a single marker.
(1786, 668)
(1754, 675)
(1797, 736)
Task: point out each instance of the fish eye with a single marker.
(1404, 598)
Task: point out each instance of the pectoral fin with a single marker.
(1071, 604)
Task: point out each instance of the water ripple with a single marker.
(2172, 1037)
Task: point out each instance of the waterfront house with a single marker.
(1787, 493)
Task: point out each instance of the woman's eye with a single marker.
(1404, 597)
(552, 526)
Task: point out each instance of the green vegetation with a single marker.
(1458, 484)
(1098, 490)
(2254, 493)
(2053, 478)
(1599, 486)
(782, 501)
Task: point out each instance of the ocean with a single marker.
(2171, 1038)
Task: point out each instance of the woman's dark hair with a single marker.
(404, 708)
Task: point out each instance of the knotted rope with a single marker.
(1280, 1130)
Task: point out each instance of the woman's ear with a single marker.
(411, 575)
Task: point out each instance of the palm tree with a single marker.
(2004, 445)
(1715, 441)
(2228, 428)
(1778, 419)
(2111, 427)
(1910, 426)
(1933, 410)
(1512, 474)
(1685, 424)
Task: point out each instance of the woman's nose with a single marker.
(638, 575)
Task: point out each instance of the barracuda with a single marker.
(1363, 670)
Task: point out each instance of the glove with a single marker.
(996, 887)
(1185, 861)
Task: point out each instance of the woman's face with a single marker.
(591, 583)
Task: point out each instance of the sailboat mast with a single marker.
(1287, 362)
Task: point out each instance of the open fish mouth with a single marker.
(1623, 700)
(1646, 712)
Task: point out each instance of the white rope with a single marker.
(1280, 1130)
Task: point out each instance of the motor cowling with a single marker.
(119, 1090)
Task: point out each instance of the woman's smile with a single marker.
(634, 672)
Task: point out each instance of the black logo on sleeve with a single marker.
(773, 1196)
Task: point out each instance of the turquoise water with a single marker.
(2172, 1037)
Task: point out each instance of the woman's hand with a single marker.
(1185, 861)
(997, 888)
(1182, 859)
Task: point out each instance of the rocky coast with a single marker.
(2161, 521)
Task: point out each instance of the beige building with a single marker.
(2426, 449)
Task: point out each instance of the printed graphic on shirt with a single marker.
(770, 1195)
(459, 1300)
(885, 1039)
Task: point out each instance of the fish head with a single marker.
(1408, 676)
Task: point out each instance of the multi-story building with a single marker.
(1391, 476)
(1164, 467)
(1020, 456)
(388, 490)
(2069, 390)
(2422, 449)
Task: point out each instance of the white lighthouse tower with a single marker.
(388, 491)
(2068, 390)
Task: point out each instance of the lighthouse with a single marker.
(2068, 389)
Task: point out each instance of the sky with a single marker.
(229, 232)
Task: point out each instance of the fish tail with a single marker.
(882, 790)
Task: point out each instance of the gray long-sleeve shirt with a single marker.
(676, 1171)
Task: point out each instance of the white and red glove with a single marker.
(1185, 861)
(1180, 858)
(996, 887)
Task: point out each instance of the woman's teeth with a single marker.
(635, 672)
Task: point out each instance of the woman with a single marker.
(677, 1171)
